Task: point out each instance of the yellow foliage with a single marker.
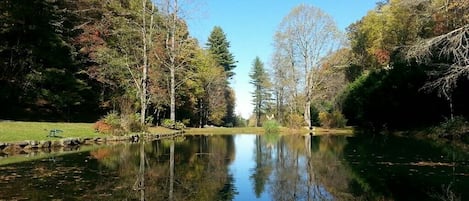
(295, 121)
(332, 120)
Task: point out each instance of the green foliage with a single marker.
(40, 68)
(113, 119)
(335, 119)
(214, 98)
(186, 121)
(131, 123)
(261, 82)
(118, 124)
(240, 121)
(149, 120)
(271, 127)
(218, 45)
(230, 101)
(168, 123)
(315, 116)
(179, 126)
(451, 128)
(75, 60)
(392, 99)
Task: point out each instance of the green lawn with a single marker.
(260, 130)
(224, 131)
(11, 131)
(160, 130)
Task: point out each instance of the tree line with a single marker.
(78, 60)
(402, 66)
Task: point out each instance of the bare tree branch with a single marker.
(451, 48)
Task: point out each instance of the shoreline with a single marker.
(9, 148)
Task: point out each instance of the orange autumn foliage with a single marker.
(102, 127)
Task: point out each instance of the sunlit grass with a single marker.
(160, 130)
(260, 130)
(224, 131)
(11, 131)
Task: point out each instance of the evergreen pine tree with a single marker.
(261, 94)
(219, 46)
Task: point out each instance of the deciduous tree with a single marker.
(178, 47)
(209, 85)
(308, 34)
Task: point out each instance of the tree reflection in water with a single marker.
(184, 170)
(281, 168)
(187, 168)
(308, 168)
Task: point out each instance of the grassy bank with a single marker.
(160, 130)
(260, 130)
(12, 131)
(224, 131)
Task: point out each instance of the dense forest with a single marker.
(402, 66)
(131, 60)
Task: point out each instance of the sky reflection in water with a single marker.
(246, 167)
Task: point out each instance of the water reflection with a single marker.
(301, 173)
(245, 167)
(353, 168)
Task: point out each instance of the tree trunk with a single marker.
(451, 110)
(201, 113)
(158, 111)
(307, 107)
(173, 63)
(307, 113)
(143, 90)
(258, 114)
(173, 96)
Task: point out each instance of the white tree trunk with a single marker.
(173, 62)
(173, 95)
(307, 112)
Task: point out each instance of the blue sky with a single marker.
(250, 26)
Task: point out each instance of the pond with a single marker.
(245, 167)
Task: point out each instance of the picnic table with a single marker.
(54, 132)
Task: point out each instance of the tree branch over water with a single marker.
(449, 53)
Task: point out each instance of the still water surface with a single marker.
(246, 167)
